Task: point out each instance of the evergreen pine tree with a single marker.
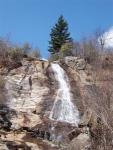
(59, 36)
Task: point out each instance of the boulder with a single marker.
(74, 133)
(82, 142)
(3, 147)
(89, 118)
(75, 63)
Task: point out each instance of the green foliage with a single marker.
(54, 57)
(66, 49)
(59, 35)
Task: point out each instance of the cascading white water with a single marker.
(63, 109)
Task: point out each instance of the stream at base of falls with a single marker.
(63, 109)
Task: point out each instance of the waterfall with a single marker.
(63, 109)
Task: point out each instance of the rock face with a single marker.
(77, 67)
(30, 93)
(22, 95)
(85, 97)
(25, 90)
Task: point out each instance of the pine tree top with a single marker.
(59, 35)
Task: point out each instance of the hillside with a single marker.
(25, 107)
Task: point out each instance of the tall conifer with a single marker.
(59, 35)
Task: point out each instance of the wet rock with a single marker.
(48, 136)
(57, 110)
(40, 134)
(5, 122)
(3, 109)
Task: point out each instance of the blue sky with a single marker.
(31, 20)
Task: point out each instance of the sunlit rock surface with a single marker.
(26, 101)
(20, 96)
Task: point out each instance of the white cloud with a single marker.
(108, 38)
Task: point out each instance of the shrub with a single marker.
(4, 48)
(107, 62)
(54, 57)
(2, 91)
(90, 52)
(35, 53)
(16, 53)
(66, 49)
(26, 48)
(11, 54)
(2, 83)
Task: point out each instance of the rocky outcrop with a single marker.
(82, 142)
(30, 92)
(75, 63)
(88, 119)
(24, 98)
(20, 95)
(85, 99)
(78, 69)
